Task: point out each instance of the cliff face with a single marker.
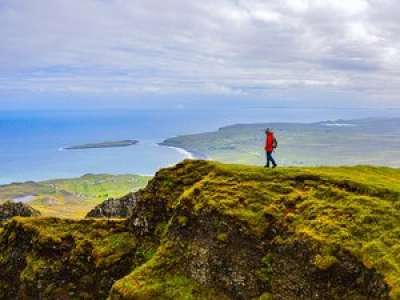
(203, 230)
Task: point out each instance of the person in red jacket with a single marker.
(270, 145)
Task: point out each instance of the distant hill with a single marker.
(339, 142)
(71, 198)
(206, 230)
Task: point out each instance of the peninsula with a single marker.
(112, 144)
(338, 142)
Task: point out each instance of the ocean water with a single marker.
(31, 142)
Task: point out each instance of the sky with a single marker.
(60, 53)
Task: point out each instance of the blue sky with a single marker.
(96, 53)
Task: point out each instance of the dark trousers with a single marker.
(270, 159)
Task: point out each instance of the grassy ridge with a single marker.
(72, 198)
(335, 210)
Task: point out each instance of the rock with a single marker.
(11, 209)
(114, 208)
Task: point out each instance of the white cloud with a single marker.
(216, 47)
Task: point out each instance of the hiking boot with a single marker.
(266, 166)
(273, 167)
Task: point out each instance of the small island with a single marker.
(112, 144)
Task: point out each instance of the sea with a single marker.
(32, 142)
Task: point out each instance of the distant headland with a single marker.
(111, 144)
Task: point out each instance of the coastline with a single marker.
(188, 154)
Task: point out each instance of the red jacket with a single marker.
(269, 142)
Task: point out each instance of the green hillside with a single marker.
(341, 142)
(71, 198)
(207, 230)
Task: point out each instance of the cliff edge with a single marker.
(205, 230)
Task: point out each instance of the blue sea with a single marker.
(31, 142)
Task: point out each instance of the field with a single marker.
(71, 198)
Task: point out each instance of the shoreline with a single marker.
(187, 154)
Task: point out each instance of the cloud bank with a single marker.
(248, 48)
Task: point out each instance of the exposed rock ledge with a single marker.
(114, 208)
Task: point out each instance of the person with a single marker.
(270, 145)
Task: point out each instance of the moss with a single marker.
(323, 262)
(266, 296)
(113, 247)
(34, 265)
(146, 253)
(173, 287)
(161, 229)
(222, 237)
(59, 259)
(182, 220)
(265, 271)
(169, 287)
(12, 237)
(158, 278)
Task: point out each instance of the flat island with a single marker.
(112, 144)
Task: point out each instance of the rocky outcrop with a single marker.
(214, 240)
(114, 208)
(11, 209)
(203, 230)
(63, 259)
